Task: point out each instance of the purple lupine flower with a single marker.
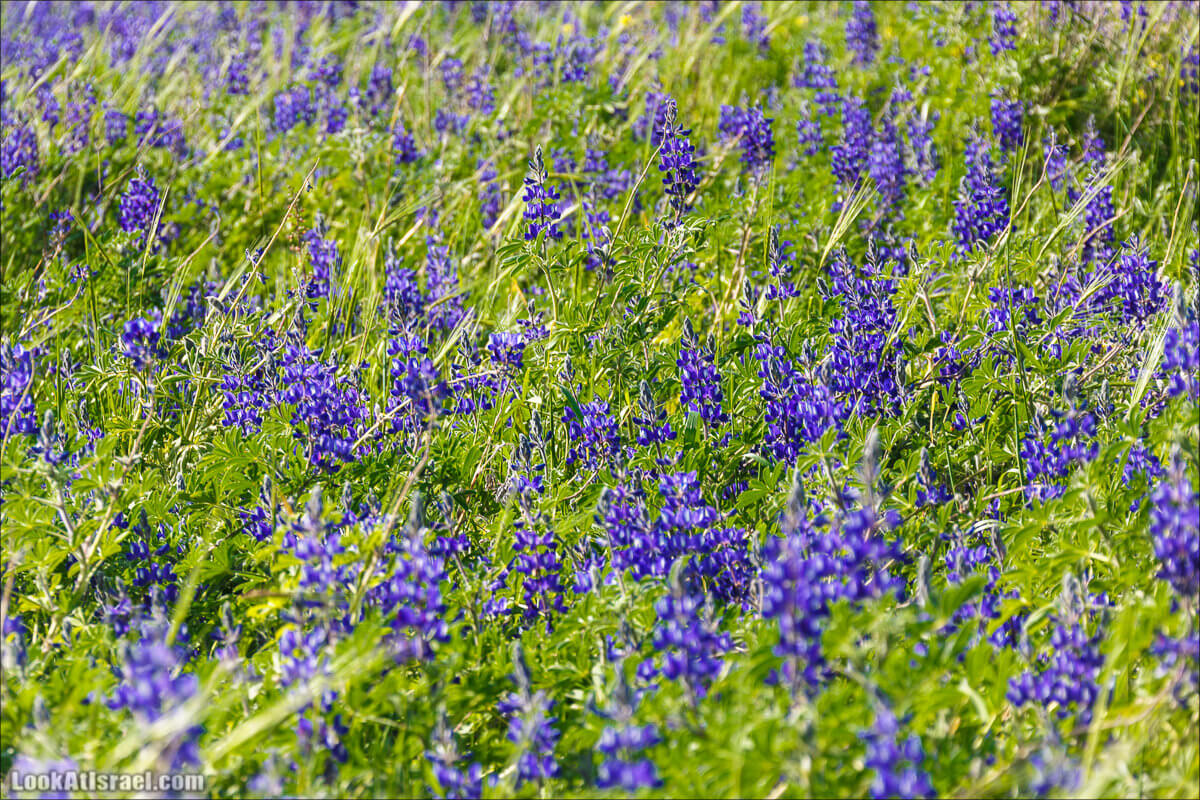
(897, 765)
(653, 427)
(379, 89)
(754, 27)
(686, 638)
(246, 397)
(446, 121)
(445, 308)
(1004, 29)
(677, 163)
(17, 411)
(138, 204)
(79, 118)
(1175, 529)
(851, 154)
(699, 378)
(302, 656)
(259, 522)
(491, 198)
(1189, 73)
(623, 516)
(1007, 120)
(623, 743)
(1053, 771)
(1067, 676)
(1135, 288)
(116, 126)
(325, 260)
(528, 466)
(403, 302)
(808, 132)
(140, 340)
(862, 39)
(813, 564)
(404, 144)
(820, 76)
(922, 149)
(481, 95)
(152, 553)
(541, 201)
(1020, 303)
(452, 74)
(682, 523)
(453, 782)
(294, 107)
(930, 491)
(885, 166)
(1057, 165)
(328, 411)
(964, 560)
(530, 726)
(538, 561)
(653, 122)
(1099, 213)
(410, 599)
(866, 368)
(1052, 449)
(153, 685)
(798, 411)
(981, 210)
(752, 130)
(779, 267)
(1171, 652)
(507, 349)
(593, 436)
(414, 379)
(60, 772)
(1181, 353)
(237, 78)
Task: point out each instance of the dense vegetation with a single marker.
(538, 399)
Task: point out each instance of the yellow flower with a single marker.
(568, 29)
(801, 21)
(624, 21)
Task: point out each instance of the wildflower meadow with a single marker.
(656, 399)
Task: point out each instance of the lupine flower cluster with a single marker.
(982, 209)
(153, 685)
(1066, 677)
(1004, 29)
(699, 378)
(866, 362)
(1175, 528)
(1050, 453)
(688, 642)
(816, 562)
(541, 201)
(862, 38)
(17, 410)
(592, 433)
(897, 764)
(324, 260)
(531, 728)
(138, 205)
(752, 131)
(820, 76)
(623, 744)
(677, 163)
(1007, 123)
(962, 561)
